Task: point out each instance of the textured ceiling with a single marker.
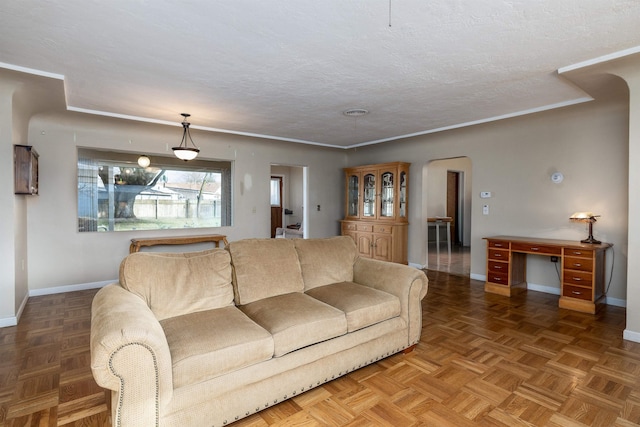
(288, 69)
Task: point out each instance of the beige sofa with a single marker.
(206, 338)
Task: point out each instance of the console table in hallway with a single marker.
(582, 278)
(437, 222)
(136, 244)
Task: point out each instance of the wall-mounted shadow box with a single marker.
(25, 169)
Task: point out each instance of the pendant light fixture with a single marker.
(183, 152)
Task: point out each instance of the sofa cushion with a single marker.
(326, 261)
(207, 344)
(264, 268)
(173, 284)
(296, 320)
(362, 305)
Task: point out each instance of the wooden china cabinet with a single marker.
(376, 210)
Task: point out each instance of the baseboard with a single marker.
(616, 302)
(8, 321)
(631, 335)
(13, 320)
(542, 288)
(481, 277)
(70, 288)
(418, 266)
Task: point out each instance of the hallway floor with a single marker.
(459, 262)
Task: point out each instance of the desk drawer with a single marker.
(582, 264)
(498, 254)
(498, 267)
(577, 292)
(586, 253)
(498, 278)
(498, 244)
(577, 278)
(382, 229)
(536, 249)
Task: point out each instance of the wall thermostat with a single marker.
(557, 177)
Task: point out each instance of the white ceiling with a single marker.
(288, 69)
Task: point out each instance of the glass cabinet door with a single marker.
(386, 194)
(403, 195)
(353, 190)
(369, 195)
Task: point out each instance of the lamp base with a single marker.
(591, 240)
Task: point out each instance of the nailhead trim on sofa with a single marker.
(293, 393)
(118, 421)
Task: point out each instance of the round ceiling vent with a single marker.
(355, 112)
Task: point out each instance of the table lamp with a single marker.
(589, 218)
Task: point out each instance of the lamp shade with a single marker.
(583, 216)
(184, 153)
(144, 161)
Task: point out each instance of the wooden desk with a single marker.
(582, 278)
(136, 244)
(437, 222)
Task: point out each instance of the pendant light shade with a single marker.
(183, 151)
(144, 161)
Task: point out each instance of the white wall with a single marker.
(7, 212)
(60, 256)
(514, 159)
(21, 96)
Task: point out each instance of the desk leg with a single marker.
(438, 240)
(449, 238)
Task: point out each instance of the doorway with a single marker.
(455, 202)
(290, 211)
(447, 186)
(276, 204)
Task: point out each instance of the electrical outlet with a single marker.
(554, 259)
(318, 208)
(485, 209)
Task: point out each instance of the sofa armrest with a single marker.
(130, 356)
(407, 283)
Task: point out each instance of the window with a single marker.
(276, 191)
(116, 194)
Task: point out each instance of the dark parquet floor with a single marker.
(484, 360)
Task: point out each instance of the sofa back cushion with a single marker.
(326, 261)
(264, 268)
(173, 284)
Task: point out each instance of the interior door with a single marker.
(276, 204)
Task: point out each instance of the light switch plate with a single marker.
(485, 194)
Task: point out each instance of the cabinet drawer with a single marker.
(382, 229)
(576, 292)
(498, 254)
(577, 278)
(498, 267)
(532, 248)
(499, 278)
(498, 244)
(587, 253)
(365, 227)
(349, 226)
(582, 264)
